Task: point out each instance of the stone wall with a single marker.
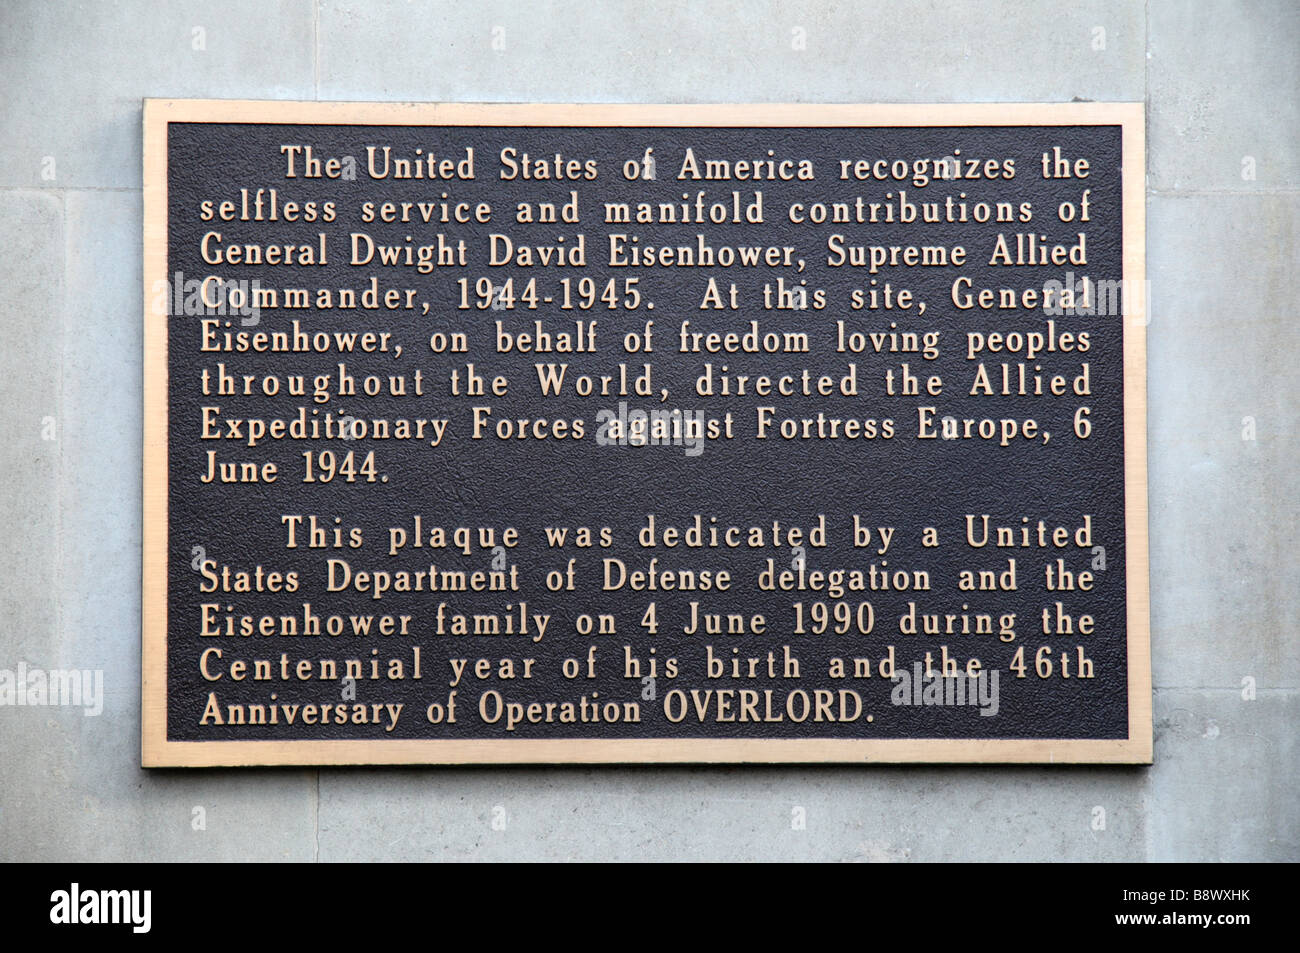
(1222, 88)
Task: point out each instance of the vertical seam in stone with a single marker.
(63, 491)
(1144, 801)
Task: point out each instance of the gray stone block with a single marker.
(31, 314)
(72, 790)
(1222, 345)
(72, 787)
(1224, 87)
(75, 75)
(1223, 783)
(745, 52)
(741, 813)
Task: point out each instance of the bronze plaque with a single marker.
(558, 433)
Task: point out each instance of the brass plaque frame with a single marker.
(158, 751)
